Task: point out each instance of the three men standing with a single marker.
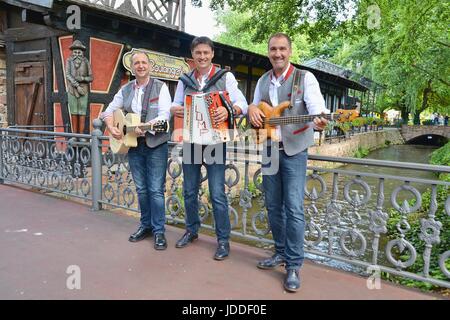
(284, 187)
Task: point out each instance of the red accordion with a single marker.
(199, 126)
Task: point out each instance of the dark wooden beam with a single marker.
(60, 81)
(32, 32)
(10, 94)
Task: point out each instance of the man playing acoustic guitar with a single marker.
(149, 98)
(284, 187)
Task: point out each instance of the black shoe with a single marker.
(160, 241)
(185, 239)
(140, 234)
(292, 281)
(272, 262)
(223, 250)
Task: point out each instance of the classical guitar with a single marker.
(127, 124)
(273, 118)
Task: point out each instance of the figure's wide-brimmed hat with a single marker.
(77, 45)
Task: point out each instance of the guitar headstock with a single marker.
(160, 126)
(342, 115)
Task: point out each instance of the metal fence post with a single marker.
(96, 153)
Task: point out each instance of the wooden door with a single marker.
(29, 83)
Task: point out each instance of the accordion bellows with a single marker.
(199, 126)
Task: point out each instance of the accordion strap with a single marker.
(186, 78)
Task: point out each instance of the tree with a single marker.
(408, 53)
(237, 34)
(401, 44)
(311, 17)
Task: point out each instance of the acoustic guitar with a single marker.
(273, 119)
(126, 125)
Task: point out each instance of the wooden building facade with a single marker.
(38, 35)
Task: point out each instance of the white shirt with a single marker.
(315, 104)
(164, 102)
(231, 85)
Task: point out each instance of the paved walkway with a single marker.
(41, 236)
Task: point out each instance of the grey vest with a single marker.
(296, 137)
(220, 85)
(151, 104)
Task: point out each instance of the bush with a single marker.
(361, 152)
(358, 122)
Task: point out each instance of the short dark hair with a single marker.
(281, 35)
(202, 40)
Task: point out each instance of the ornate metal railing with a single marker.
(347, 212)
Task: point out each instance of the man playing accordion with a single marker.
(208, 98)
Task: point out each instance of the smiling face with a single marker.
(140, 65)
(202, 55)
(279, 53)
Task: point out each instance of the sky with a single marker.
(200, 21)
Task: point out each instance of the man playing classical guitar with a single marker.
(284, 187)
(150, 98)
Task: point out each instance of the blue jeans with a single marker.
(284, 192)
(215, 167)
(148, 167)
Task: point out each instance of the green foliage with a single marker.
(408, 54)
(295, 17)
(441, 156)
(358, 122)
(239, 33)
(428, 122)
(253, 189)
(344, 126)
(361, 152)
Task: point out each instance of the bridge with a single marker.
(45, 241)
(347, 212)
(412, 132)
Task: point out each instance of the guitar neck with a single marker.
(299, 119)
(142, 127)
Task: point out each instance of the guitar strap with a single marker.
(297, 90)
(145, 100)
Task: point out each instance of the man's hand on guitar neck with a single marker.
(139, 132)
(255, 116)
(320, 123)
